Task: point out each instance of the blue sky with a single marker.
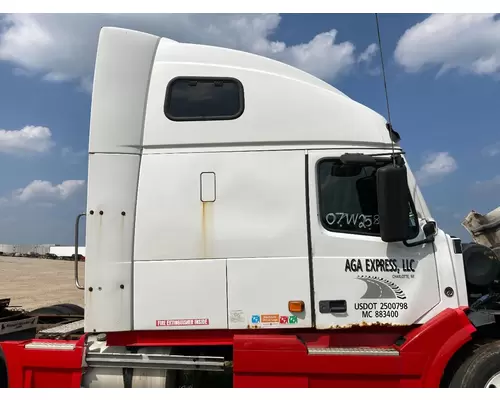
(443, 84)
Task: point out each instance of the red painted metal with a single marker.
(270, 358)
(442, 337)
(171, 338)
(367, 336)
(43, 368)
(423, 356)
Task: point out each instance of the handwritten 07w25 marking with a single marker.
(380, 288)
(361, 220)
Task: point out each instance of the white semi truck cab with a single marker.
(235, 202)
(219, 198)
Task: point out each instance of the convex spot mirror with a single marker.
(430, 229)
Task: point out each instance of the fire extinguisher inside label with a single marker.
(183, 322)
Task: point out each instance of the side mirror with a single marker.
(393, 204)
(430, 229)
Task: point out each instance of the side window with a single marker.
(348, 199)
(201, 99)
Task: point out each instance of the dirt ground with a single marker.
(33, 283)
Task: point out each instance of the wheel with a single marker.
(73, 308)
(481, 369)
(56, 313)
(59, 309)
(4, 382)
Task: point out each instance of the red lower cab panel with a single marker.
(44, 363)
(278, 361)
(271, 359)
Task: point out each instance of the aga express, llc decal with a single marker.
(383, 297)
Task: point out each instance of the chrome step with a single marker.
(63, 329)
(156, 361)
(353, 351)
(50, 346)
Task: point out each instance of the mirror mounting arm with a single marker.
(430, 232)
(420, 242)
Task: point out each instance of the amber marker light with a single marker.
(296, 306)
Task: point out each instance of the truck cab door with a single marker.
(359, 279)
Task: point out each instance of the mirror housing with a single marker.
(357, 158)
(393, 203)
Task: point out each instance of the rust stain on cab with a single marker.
(364, 324)
(206, 227)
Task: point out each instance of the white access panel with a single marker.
(185, 294)
(221, 205)
(259, 290)
(109, 241)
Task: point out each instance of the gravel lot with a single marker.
(33, 283)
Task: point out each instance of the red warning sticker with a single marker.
(183, 322)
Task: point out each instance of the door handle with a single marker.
(332, 306)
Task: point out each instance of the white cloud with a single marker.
(43, 192)
(492, 150)
(469, 43)
(435, 167)
(366, 58)
(61, 47)
(30, 139)
(368, 54)
(489, 184)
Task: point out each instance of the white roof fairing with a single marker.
(283, 105)
(169, 51)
